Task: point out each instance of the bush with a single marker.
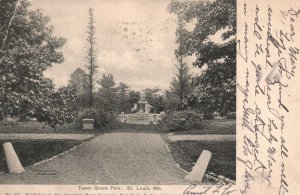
(208, 116)
(231, 115)
(182, 120)
(6, 123)
(101, 118)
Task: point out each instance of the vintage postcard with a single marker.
(149, 97)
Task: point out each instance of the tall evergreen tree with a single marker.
(124, 105)
(181, 83)
(91, 58)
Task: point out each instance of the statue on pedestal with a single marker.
(142, 106)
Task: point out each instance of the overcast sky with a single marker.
(135, 39)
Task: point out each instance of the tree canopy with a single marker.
(29, 49)
(215, 55)
(107, 94)
(123, 97)
(79, 81)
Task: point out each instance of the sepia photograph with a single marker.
(118, 92)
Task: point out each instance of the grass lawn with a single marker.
(30, 152)
(220, 127)
(134, 128)
(37, 127)
(222, 162)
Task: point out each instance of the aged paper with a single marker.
(268, 53)
(268, 37)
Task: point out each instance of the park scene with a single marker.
(118, 92)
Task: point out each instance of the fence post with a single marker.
(200, 167)
(12, 160)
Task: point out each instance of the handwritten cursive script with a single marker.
(267, 58)
(215, 189)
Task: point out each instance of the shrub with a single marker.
(182, 120)
(6, 123)
(231, 115)
(58, 108)
(100, 117)
(208, 116)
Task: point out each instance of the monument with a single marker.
(141, 107)
(140, 114)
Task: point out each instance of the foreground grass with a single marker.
(222, 162)
(37, 127)
(30, 152)
(220, 127)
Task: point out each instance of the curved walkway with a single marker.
(112, 158)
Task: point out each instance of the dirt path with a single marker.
(30, 136)
(113, 158)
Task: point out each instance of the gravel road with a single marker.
(112, 158)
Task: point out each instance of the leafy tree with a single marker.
(91, 58)
(154, 98)
(134, 97)
(172, 101)
(23, 105)
(217, 83)
(79, 80)
(28, 48)
(123, 98)
(60, 107)
(107, 81)
(107, 95)
(159, 105)
(8, 10)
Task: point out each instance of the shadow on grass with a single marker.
(134, 128)
(37, 127)
(220, 127)
(30, 152)
(222, 162)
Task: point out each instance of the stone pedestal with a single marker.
(122, 117)
(87, 123)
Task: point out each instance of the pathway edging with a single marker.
(215, 179)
